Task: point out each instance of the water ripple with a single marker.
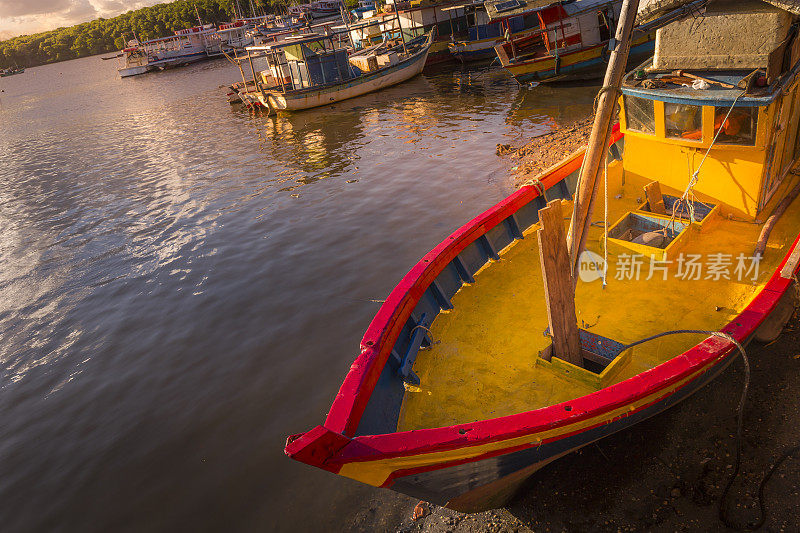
(184, 283)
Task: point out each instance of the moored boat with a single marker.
(482, 35)
(299, 11)
(241, 32)
(445, 19)
(325, 8)
(458, 394)
(572, 41)
(183, 47)
(311, 71)
(365, 8)
(10, 71)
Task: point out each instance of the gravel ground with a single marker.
(542, 152)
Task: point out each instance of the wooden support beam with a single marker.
(463, 271)
(559, 291)
(654, 197)
(601, 132)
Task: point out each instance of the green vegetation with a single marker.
(107, 35)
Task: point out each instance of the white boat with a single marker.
(240, 32)
(185, 46)
(136, 60)
(365, 9)
(325, 8)
(299, 11)
(321, 77)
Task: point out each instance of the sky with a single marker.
(19, 17)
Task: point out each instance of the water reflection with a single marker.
(185, 283)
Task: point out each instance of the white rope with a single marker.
(696, 174)
(687, 198)
(605, 226)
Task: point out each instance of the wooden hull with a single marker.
(307, 99)
(323, 13)
(491, 481)
(589, 63)
(478, 465)
(439, 53)
(482, 50)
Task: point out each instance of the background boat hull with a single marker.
(580, 65)
(132, 71)
(404, 71)
(475, 51)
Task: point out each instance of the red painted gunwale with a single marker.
(336, 444)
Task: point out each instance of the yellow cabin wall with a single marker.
(728, 177)
(732, 175)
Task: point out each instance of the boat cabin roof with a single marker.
(667, 87)
(291, 41)
(649, 9)
(463, 6)
(502, 9)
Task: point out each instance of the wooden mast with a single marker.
(598, 141)
(559, 256)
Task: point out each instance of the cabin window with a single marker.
(683, 121)
(739, 128)
(640, 115)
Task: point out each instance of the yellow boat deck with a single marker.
(485, 359)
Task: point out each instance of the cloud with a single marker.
(18, 8)
(20, 17)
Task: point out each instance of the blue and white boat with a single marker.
(482, 34)
(365, 9)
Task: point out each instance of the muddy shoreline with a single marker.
(667, 473)
(542, 152)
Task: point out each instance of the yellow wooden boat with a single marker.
(456, 397)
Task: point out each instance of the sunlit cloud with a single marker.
(20, 17)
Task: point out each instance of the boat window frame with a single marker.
(703, 115)
(723, 111)
(626, 115)
(708, 117)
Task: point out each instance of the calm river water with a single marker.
(184, 284)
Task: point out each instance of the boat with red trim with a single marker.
(462, 389)
(563, 40)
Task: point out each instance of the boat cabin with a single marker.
(738, 110)
(235, 35)
(477, 22)
(554, 27)
(302, 62)
(240, 32)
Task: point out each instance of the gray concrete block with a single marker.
(736, 34)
